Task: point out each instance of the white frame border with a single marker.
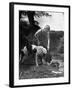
(16, 49)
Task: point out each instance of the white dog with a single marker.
(40, 51)
(36, 50)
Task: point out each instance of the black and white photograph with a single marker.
(41, 44)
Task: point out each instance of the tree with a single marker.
(28, 28)
(32, 14)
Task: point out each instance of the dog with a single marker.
(39, 51)
(35, 51)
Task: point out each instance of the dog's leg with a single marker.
(48, 64)
(21, 58)
(43, 61)
(36, 57)
(24, 58)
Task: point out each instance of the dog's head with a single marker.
(34, 50)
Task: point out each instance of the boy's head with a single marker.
(47, 28)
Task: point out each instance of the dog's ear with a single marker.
(34, 50)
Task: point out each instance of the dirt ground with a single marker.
(29, 71)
